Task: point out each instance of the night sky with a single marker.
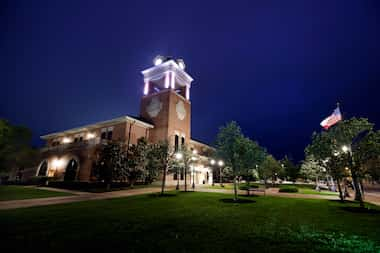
(276, 67)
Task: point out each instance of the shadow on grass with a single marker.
(341, 202)
(357, 209)
(159, 195)
(238, 201)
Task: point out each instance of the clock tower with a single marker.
(166, 101)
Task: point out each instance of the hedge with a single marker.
(288, 188)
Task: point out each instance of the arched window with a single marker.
(71, 170)
(43, 169)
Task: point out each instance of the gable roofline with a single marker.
(98, 125)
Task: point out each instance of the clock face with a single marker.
(154, 107)
(180, 109)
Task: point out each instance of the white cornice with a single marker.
(156, 72)
(98, 125)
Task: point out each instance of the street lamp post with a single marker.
(220, 164)
(195, 152)
(212, 162)
(178, 156)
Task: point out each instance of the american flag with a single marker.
(331, 120)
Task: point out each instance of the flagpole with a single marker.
(338, 106)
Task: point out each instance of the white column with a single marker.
(146, 87)
(172, 80)
(187, 92)
(167, 84)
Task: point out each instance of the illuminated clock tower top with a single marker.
(166, 100)
(167, 73)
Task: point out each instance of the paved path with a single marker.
(79, 196)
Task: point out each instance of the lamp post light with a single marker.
(220, 164)
(195, 152)
(178, 156)
(212, 162)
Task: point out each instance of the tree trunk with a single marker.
(235, 190)
(163, 180)
(248, 187)
(340, 190)
(358, 190)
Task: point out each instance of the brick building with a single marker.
(165, 114)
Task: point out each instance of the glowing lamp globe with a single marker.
(178, 156)
(181, 64)
(158, 60)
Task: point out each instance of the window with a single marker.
(176, 140)
(183, 141)
(109, 135)
(182, 175)
(175, 176)
(76, 139)
(103, 135)
(81, 138)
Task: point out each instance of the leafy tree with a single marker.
(291, 171)
(350, 143)
(164, 159)
(239, 153)
(15, 147)
(187, 160)
(137, 160)
(311, 169)
(269, 168)
(111, 163)
(252, 155)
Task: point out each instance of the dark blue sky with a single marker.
(276, 67)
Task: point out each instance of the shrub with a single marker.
(288, 188)
(37, 180)
(245, 187)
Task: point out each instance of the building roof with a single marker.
(122, 119)
(201, 143)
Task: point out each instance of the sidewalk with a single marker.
(79, 196)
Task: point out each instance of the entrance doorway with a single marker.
(71, 170)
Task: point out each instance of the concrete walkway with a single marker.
(79, 196)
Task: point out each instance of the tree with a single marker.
(311, 169)
(15, 147)
(350, 143)
(252, 155)
(291, 171)
(111, 163)
(323, 148)
(269, 168)
(137, 160)
(239, 153)
(164, 159)
(188, 158)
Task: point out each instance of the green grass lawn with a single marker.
(193, 222)
(312, 191)
(14, 192)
